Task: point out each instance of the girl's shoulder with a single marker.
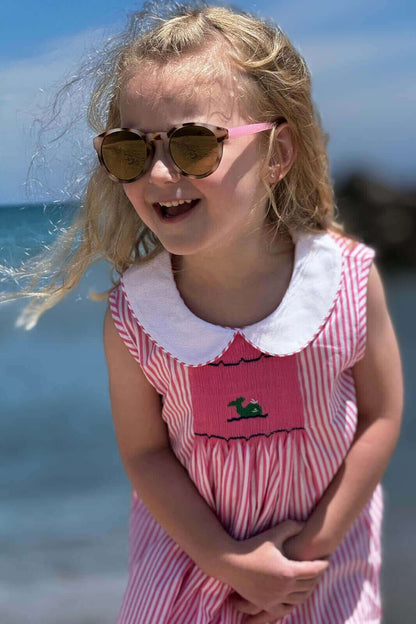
(352, 248)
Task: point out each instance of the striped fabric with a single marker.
(261, 437)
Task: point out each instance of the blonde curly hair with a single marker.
(274, 82)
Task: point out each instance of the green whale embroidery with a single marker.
(252, 410)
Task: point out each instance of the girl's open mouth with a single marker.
(172, 213)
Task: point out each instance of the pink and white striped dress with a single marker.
(262, 418)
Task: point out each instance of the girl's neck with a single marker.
(234, 288)
(229, 267)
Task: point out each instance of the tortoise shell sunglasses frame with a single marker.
(149, 138)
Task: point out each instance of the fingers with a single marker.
(269, 618)
(298, 597)
(244, 606)
(306, 584)
(262, 618)
(309, 569)
(293, 599)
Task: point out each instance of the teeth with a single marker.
(176, 203)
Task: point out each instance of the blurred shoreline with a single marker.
(381, 215)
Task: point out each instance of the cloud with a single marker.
(28, 88)
(365, 88)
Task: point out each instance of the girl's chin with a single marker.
(183, 244)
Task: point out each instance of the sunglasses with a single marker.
(194, 148)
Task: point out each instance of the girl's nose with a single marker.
(161, 170)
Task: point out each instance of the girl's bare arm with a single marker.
(156, 475)
(379, 391)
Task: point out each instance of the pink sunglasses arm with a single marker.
(250, 129)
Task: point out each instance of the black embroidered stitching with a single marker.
(265, 355)
(255, 435)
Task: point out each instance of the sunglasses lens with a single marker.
(124, 154)
(194, 149)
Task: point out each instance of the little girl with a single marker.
(254, 372)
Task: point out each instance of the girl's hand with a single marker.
(268, 585)
(260, 617)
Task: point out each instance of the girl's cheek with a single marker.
(210, 184)
(133, 201)
(127, 190)
(131, 194)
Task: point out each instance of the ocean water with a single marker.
(65, 498)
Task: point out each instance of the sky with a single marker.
(361, 56)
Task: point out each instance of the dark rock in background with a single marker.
(381, 216)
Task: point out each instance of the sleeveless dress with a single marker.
(261, 417)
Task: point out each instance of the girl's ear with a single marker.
(285, 154)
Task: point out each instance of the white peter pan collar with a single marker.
(158, 307)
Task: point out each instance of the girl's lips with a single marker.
(164, 216)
